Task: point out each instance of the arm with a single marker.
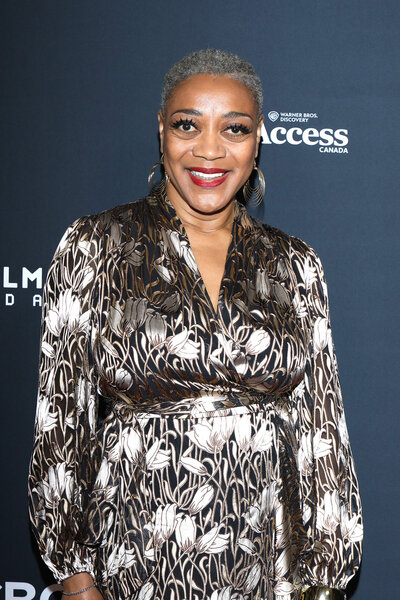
(330, 495)
(62, 459)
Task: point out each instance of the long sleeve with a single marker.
(329, 488)
(66, 408)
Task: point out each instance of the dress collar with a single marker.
(170, 220)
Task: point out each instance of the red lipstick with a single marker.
(204, 177)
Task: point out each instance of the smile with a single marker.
(208, 177)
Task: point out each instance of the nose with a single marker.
(209, 146)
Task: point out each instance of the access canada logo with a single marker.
(301, 129)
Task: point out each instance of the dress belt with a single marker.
(205, 405)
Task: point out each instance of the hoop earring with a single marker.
(257, 192)
(162, 185)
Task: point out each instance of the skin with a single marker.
(211, 139)
(206, 213)
(81, 581)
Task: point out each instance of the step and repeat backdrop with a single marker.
(80, 90)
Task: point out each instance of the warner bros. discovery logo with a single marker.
(293, 129)
(17, 283)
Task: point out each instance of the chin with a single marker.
(209, 202)
(209, 206)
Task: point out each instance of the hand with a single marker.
(77, 582)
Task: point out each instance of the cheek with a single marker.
(174, 150)
(247, 151)
(246, 159)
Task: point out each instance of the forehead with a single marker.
(212, 94)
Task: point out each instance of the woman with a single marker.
(190, 440)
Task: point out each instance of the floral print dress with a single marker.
(182, 452)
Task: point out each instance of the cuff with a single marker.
(77, 559)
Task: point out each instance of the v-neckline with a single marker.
(206, 293)
(177, 224)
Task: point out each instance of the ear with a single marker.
(160, 118)
(258, 138)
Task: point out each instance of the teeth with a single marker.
(207, 176)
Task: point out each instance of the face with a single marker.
(209, 135)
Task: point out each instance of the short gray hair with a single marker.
(213, 62)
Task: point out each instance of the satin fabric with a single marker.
(182, 452)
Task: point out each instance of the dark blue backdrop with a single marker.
(79, 97)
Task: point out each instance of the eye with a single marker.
(186, 125)
(237, 129)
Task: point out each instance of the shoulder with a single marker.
(284, 243)
(120, 216)
(299, 257)
(94, 229)
(80, 252)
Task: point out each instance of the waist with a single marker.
(205, 404)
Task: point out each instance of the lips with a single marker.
(207, 177)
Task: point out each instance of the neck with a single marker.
(201, 222)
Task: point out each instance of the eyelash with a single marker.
(177, 124)
(242, 128)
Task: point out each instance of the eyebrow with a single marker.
(234, 115)
(229, 115)
(188, 111)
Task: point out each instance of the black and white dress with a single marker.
(182, 452)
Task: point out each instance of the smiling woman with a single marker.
(210, 134)
(210, 131)
(190, 439)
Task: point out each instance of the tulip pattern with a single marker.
(182, 452)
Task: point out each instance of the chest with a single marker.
(210, 253)
(159, 331)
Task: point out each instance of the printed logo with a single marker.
(16, 281)
(326, 139)
(23, 589)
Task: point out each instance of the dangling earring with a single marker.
(254, 194)
(162, 185)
